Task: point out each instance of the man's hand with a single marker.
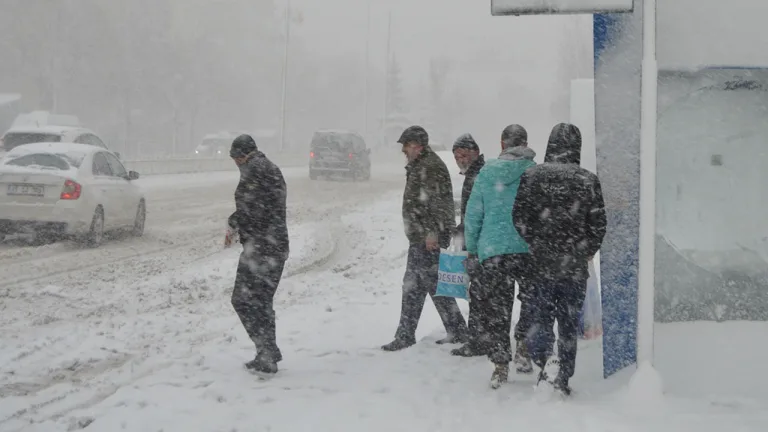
(433, 244)
(229, 238)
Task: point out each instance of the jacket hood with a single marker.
(564, 145)
(507, 171)
(519, 152)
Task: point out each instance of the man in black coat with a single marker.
(260, 222)
(470, 162)
(429, 219)
(560, 213)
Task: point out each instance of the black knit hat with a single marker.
(465, 141)
(242, 146)
(414, 134)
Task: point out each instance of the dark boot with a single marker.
(561, 385)
(262, 364)
(398, 344)
(500, 376)
(522, 361)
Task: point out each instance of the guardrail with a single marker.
(199, 164)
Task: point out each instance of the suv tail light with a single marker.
(351, 156)
(311, 155)
(71, 191)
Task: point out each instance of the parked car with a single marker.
(339, 152)
(21, 135)
(68, 191)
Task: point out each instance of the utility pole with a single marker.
(285, 72)
(367, 56)
(386, 76)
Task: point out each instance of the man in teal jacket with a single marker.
(492, 239)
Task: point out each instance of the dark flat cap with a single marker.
(415, 134)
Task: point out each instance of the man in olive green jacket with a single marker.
(429, 218)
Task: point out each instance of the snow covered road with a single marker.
(136, 337)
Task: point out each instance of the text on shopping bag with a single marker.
(452, 278)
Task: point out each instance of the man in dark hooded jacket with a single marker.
(429, 219)
(560, 213)
(470, 162)
(260, 222)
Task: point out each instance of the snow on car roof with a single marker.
(54, 147)
(48, 129)
(9, 97)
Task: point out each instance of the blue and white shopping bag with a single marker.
(452, 278)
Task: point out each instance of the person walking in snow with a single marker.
(429, 219)
(260, 222)
(516, 136)
(560, 213)
(495, 246)
(470, 161)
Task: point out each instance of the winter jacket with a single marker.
(260, 215)
(559, 209)
(466, 189)
(488, 227)
(428, 207)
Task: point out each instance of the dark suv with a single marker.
(339, 152)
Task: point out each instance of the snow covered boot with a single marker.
(468, 350)
(263, 365)
(452, 339)
(398, 344)
(523, 363)
(549, 372)
(500, 376)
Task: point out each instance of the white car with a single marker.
(64, 190)
(21, 135)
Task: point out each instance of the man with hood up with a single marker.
(470, 162)
(560, 213)
(260, 221)
(494, 244)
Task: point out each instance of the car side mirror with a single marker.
(133, 175)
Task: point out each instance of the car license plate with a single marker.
(26, 189)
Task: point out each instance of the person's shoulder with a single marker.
(434, 162)
(260, 165)
(587, 175)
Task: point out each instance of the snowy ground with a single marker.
(140, 336)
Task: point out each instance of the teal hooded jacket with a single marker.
(488, 227)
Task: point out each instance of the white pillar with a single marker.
(648, 107)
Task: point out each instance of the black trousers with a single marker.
(476, 322)
(419, 281)
(558, 299)
(498, 297)
(527, 298)
(253, 297)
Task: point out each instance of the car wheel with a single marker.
(141, 219)
(95, 236)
